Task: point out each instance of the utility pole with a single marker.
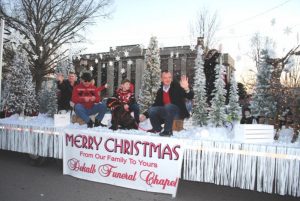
(1, 53)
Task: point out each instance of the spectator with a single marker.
(65, 87)
(247, 117)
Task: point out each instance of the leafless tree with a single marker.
(291, 79)
(249, 81)
(256, 46)
(205, 25)
(49, 24)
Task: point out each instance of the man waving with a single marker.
(169, 104)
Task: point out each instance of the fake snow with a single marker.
(190, 131)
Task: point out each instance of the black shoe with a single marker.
(90, 124)
(98, 123)
(153, 131)
(166, 133)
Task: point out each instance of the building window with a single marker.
(164, 64)
(103, 73)
(133, 69)
(190, 63)
(116, 67)
(176, 68)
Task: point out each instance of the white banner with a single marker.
(148, 163)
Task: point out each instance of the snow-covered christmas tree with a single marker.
(263, 103)
(48, 98)
(21, 91)
(151, 77)
(217, 114)
(52, 101)
(64, 67)
(43, 97)
(200, 106)
(234, 108)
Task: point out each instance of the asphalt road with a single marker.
(19, 181)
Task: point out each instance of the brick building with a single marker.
(128, 62)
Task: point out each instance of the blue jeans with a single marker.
(136, 111)
(163, 114)
(85, 113)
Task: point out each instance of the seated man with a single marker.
(86, 99)
(126, 96)
(169, 104)
(65, 87)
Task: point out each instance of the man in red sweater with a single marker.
(86, 98)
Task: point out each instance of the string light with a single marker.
(129, 62)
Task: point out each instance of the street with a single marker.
(19, 181)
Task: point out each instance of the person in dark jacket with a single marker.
(169, 104)
(247, 117)
(65, 87)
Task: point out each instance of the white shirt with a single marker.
(166, 88)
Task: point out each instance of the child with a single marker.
(125, 95)
(247, 117)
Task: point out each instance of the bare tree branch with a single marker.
(205, 26)
(54, 22)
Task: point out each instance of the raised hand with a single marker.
(93, 98)
(142, 118)
(184, 82)
(86, 99)
(126, 107)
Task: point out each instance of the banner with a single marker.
(142, 162)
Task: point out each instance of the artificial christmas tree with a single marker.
(151, 76)
(263, 103)
(48, 98)
(217, 114)
(43, 97)
(21, 91)
(52, 100)
(234, 108)
(200, 106)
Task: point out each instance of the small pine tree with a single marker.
(52, 101)
(217, 114)
(151, 77)
(64, 67)
(200, 106)
(21, 96)
(43, 97)
(48, 99)
(234, 108)
(263, 103)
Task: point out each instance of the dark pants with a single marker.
(163, 114)
(136, 111)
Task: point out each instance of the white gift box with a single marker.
(62, 120)
(257, 133)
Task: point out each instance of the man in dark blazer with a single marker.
(169, 104)
(65, 87)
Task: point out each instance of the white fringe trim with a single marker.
(39, 141)
(264, 168)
